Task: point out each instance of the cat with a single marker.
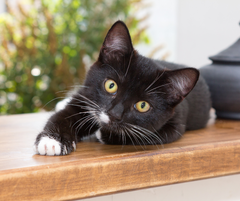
(128, 99)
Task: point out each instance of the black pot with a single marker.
(223, 78)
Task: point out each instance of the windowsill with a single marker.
(96, 169)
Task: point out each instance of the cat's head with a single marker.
(132, 92)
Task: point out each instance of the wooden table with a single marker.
(96, 169)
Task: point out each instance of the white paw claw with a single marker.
(48, 146)
(74, 145)
(65, 150)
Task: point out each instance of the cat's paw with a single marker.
(47, 145)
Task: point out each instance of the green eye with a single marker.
(111, 86)
(142, 106)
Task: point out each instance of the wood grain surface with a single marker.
(96, 169)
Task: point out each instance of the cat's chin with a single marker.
(113, 127)
(110, 126)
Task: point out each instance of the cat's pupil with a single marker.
(111, 86)
(143, 105)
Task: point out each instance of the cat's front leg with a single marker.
(58, 136)
(63, 130)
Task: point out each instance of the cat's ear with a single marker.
(182, 82)
(117, 43)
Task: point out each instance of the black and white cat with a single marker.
(128, 99)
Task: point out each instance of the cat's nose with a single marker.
(115, 116)
(116, 112)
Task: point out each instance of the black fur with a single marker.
(178, 97)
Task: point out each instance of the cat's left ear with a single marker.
(182, 82)
(117, 43)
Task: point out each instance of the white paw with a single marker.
(49, 146)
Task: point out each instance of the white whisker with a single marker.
(129, 63)
(126, 131)
(88, 100)
(153, 135)
(84, 122)
(158, 87)
(156, 79)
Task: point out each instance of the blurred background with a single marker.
(46, 47)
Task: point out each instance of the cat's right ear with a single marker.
(182, 81)
(117, 43)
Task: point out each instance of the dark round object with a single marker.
(223, 78)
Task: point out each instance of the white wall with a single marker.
(205, 27)
(162, 27)
(2, 6)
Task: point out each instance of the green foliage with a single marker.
(44, 47)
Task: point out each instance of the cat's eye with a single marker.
(142, 106)
(111, 86)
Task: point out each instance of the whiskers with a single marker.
(65, 94)
(87, 114)
(146, 136)
(149, 90)
(138, 136)
(129, 63)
